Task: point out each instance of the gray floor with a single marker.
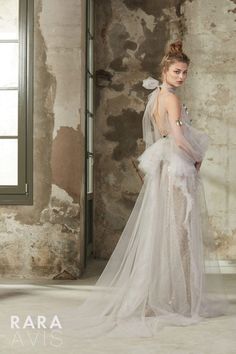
(23, 298)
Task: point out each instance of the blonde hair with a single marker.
(173, 54)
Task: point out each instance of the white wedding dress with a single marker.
(156, 275)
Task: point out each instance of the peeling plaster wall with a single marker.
(130, 40)
(43, 240)
(211, 95)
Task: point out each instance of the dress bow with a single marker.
(150, 83)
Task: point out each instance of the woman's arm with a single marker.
(173, 107)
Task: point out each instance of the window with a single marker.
(16, 106)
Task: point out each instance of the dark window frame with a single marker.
(23, 192)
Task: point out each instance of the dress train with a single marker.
(157, 274)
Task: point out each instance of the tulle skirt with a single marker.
(157, 273)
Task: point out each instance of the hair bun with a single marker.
(176, 48)
(173, 54)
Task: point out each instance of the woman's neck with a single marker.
(168, 87)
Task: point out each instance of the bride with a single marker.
(157, 274)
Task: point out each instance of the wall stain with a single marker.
(233, 10)
(130, 45)
(127, 128)
(66, 169)
(103, 78)
(118, 45)
(118, 87)
(117, 65)
(155, 8)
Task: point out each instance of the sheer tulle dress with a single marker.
(157, 274)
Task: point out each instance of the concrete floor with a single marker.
(23, 298)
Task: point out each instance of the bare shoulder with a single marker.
(172, 102)
(171, 98)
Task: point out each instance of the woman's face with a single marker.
(176, 74)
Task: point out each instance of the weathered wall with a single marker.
(131, 36)
(211, 95)
(43, 240)
(130, 41)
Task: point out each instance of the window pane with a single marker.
(9, 112)
(9, 19)
(9, 162)
(8, 65)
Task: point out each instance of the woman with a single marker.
(156, 274)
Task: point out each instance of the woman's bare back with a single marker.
(167, 104)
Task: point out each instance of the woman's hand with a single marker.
(198, 165)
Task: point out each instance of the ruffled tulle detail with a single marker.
(157, 275)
